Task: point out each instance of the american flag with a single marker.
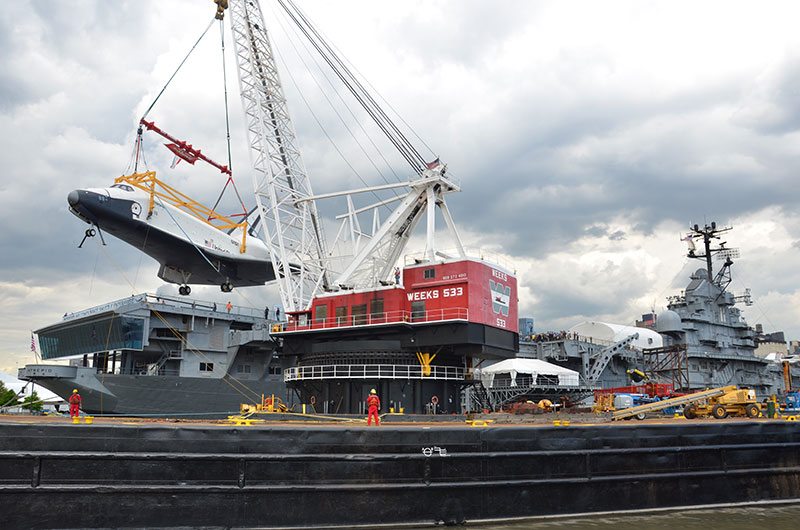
(433, 164)
(33, 343)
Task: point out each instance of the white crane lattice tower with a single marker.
(290, 224)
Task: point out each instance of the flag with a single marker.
(33, 343)
(175, 162)
(433, 164)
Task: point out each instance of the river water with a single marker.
(755, 517)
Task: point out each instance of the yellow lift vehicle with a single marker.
(718, 402)
(733, 402)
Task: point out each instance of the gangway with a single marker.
(672, 402)
(604, 357)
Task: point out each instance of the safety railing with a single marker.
(373, 371)
(156, 302)
(541, 381)
(390, 317)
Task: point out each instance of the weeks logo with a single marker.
(501, 297)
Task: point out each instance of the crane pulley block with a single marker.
(222, 5)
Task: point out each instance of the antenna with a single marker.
(726, 253)
(706, 234)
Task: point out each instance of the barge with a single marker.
(288, 475)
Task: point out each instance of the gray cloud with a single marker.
(577, 141)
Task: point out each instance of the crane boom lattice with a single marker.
(291, 228)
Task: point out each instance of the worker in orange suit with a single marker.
(374, 405)
(74, 404)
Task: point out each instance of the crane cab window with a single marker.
(206, 367)
(376, 310)
(341, 315)
(321, 314)
(429, 274)
(359, 313)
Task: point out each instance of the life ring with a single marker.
(313, 400)
(435, 400)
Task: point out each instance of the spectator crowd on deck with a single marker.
(550, 336)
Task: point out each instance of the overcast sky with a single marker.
(587, 136)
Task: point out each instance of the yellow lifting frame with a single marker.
(425, 360)
(148, 182)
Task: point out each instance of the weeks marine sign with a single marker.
(432, 294)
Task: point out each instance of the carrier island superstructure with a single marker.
(702, 339)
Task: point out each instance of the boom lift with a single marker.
(718, 402)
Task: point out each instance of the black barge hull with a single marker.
(67, 476)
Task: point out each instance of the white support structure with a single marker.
(291, 227)
(290, 223)
(374, 260)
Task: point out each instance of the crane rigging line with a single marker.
(395, 136)
(177, 69)
(138, 145)
(335, 110)
(225, 91)
(372, 87)
(357, 83)
(360, 86)
(227, 127)
(324, 130)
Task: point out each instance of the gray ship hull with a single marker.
(142, 395)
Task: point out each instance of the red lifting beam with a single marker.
(182, 149)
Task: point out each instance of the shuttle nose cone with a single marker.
(73, 198)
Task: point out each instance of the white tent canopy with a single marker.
(534, 367)
(617, 332)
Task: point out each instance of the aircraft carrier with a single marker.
(161, 356)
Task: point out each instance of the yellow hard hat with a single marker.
(75, 391)
(372, 391)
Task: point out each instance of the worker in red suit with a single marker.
(374, 405)
(74, 404)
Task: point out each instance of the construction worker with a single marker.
(74, 404)
(374, 404)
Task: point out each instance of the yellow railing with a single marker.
(149, 183)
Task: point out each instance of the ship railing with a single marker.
(539, 382)
(371, 319)
(156, 301)
(373, 371)
(162, 371)
(188, 303)
(542, 338)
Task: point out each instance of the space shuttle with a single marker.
(188, 246)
